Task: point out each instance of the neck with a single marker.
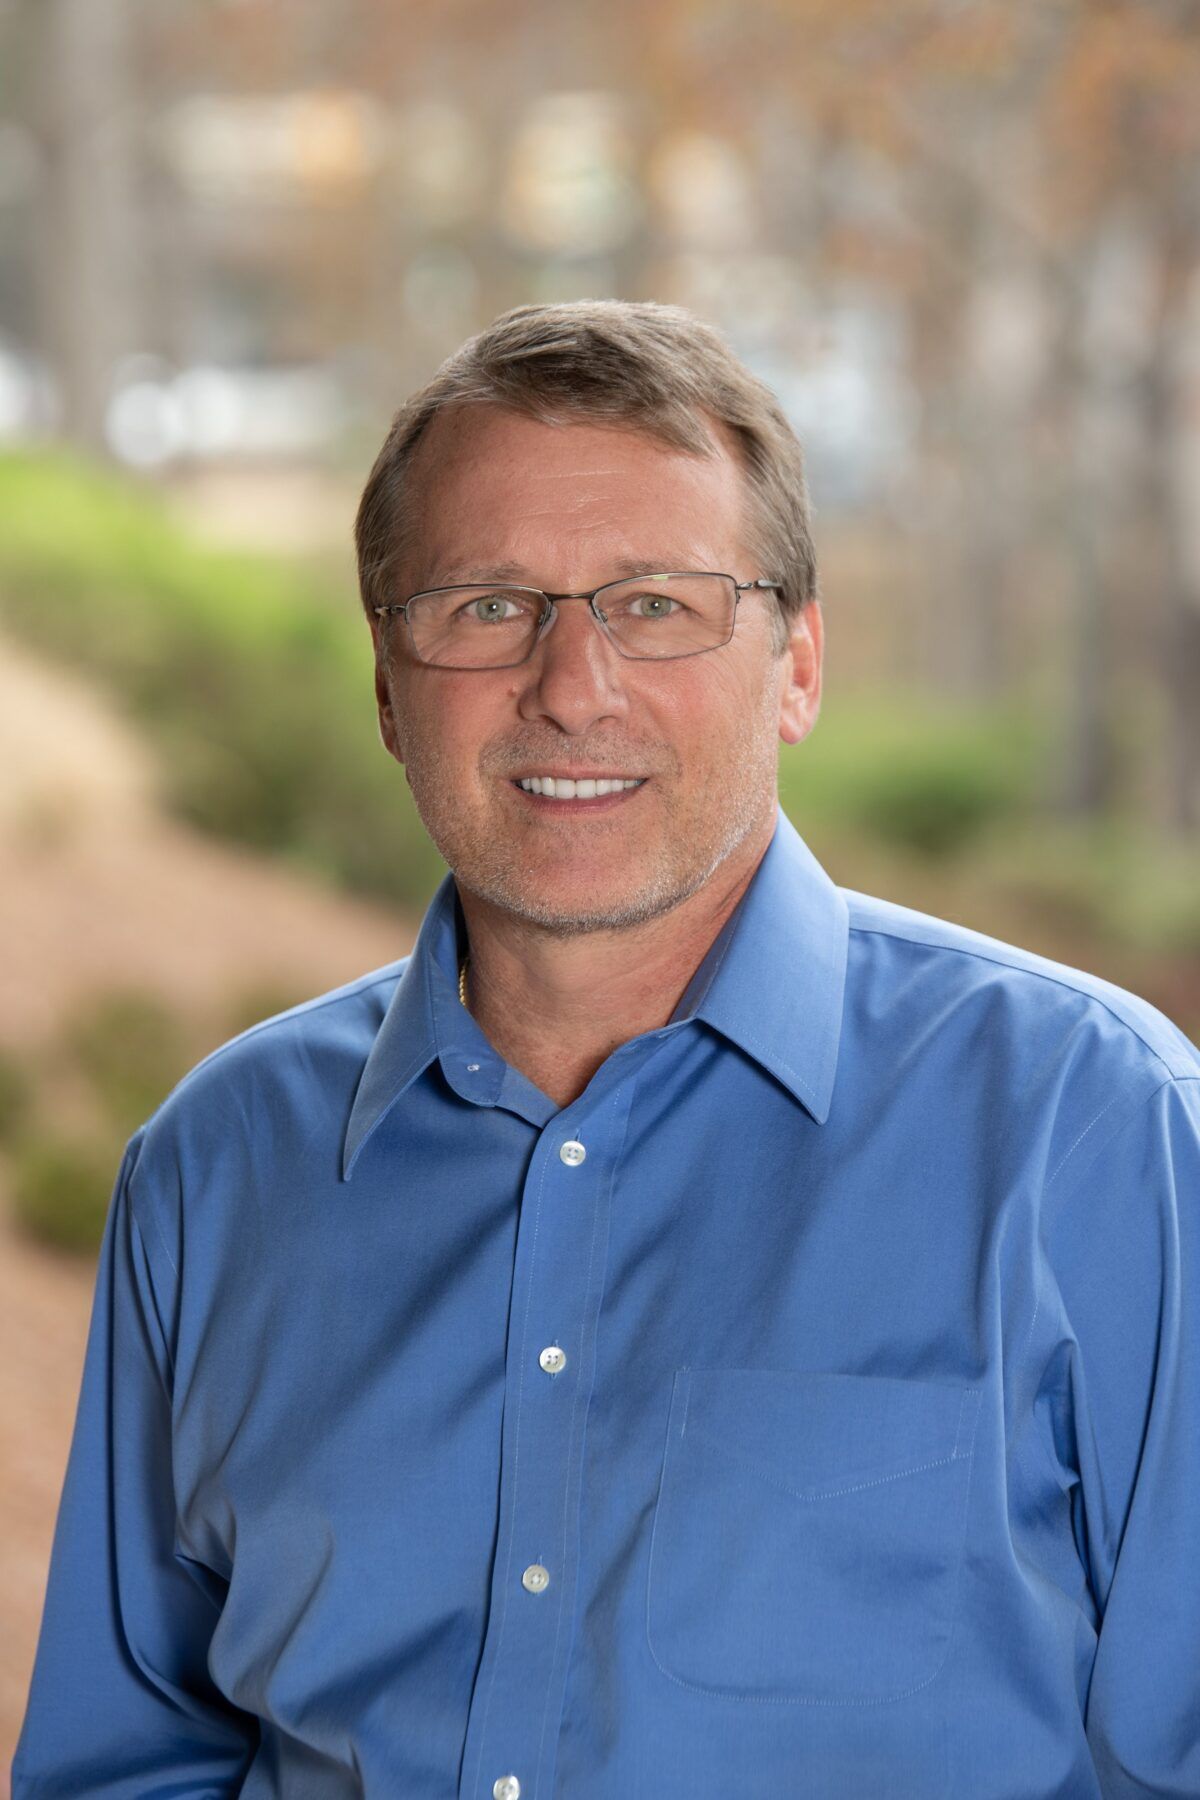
(556, 1007)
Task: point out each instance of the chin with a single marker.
(587, 907)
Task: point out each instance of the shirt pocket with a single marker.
(808, 1533)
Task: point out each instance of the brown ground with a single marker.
(97, 888)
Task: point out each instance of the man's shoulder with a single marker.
(965, 964)
(313, 1049)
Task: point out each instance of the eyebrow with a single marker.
(655, 565)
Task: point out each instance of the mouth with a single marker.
(548, 793)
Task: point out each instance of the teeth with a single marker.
(590, 789)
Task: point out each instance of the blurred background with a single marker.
(962, 242)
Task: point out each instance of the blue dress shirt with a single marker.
(810, 1408)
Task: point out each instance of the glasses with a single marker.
(494, 626)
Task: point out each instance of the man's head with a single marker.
(559, 445)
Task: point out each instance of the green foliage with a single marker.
(15, 1096)
(61, 1189)
(130, 1049)
(1109, 880)
(923, 775)
(130, 1046)
(254, 684)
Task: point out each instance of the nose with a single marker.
(575, 675)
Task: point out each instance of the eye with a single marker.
(487, 609)
(658, 606)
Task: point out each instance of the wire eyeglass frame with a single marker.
(550, 612)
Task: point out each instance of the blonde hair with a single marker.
(636, 363)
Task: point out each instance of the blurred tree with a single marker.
(87, 209)
(1060, 141)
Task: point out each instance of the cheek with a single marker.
(450, 726)
(716, 706)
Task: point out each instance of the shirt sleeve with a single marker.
(121, 1703)
(1125, 1248)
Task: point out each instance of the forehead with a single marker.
(493, 486)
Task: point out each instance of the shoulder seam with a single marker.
(1020, 968)
(1127, 1118)
(364, 985)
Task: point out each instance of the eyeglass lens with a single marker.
(647, 616)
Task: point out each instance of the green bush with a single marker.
(933, 805)
(1111, 879)
(130, 1045)
(254, 684)
(924, 776)
(130, 1048)
(15, 1096)
(61, 1189)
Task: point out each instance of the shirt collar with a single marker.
(771, 982)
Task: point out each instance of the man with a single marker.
(689, 1329)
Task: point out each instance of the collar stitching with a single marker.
(767, 1057)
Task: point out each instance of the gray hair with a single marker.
(636, 363)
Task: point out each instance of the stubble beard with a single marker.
(694, 843)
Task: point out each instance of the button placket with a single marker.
(562, 1228)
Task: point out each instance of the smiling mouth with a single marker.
(552, 787)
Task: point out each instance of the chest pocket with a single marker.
(808, 1533)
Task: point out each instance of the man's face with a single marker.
(561, 508)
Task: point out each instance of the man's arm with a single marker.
(1124, 1244)
(121, 1703)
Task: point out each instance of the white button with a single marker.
(573, 1152)
(553, 1359)
(507, 1788)
(536, 1578)
(472, 1068)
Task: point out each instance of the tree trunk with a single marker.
(85, 263)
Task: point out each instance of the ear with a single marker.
(800, 674)
(385, 691)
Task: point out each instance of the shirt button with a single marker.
(507, 1788)
(553, 1359)
(573, 1152)
(536, 1578)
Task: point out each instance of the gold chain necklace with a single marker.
(462, 979)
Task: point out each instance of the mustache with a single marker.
(617, 759)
